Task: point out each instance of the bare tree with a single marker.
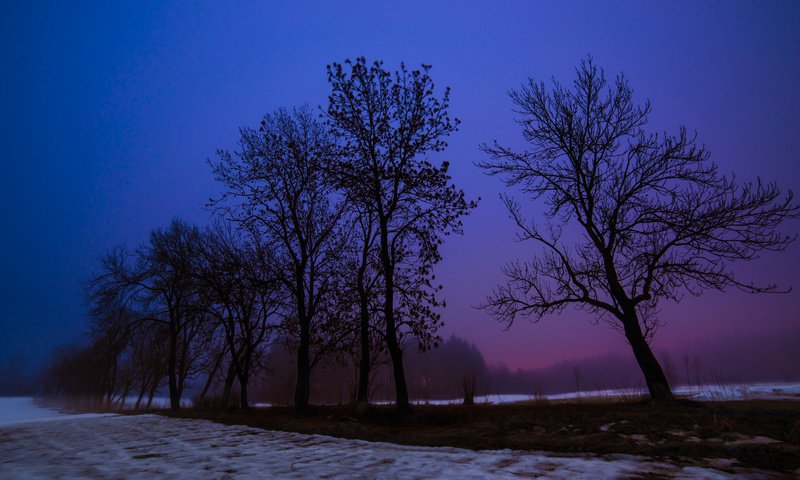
(243, 293)
(655, 216)
(277, 189)
(148, 358)
(109, 338)
(387, 123)
(160, 285)
(365, 287)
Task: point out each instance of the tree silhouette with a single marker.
(243, 294)
(656, 218)
(363, 293)
(277, 189)
(386, 123)
(160, 286)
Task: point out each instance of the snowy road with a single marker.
(151, 446)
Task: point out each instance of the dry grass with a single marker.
(759, 434)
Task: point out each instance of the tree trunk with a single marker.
(657, 383)
(141, 394)
(302, 386)
(152, 392)
(111, 384)
(362, 395)
(184, 363)
(123, 398)
(226, 390)
(174, 396)
(303, 383)
(211, 376)
(243, 404)
(395, 352)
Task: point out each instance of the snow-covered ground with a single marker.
(151, 446)
(731, 392)
(15, 410)
(766, 391)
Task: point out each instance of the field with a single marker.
(591, 439)
(760, 434)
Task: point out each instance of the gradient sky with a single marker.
(110, 110)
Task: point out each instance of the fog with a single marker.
(439, 374)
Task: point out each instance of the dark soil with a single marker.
(683, 431)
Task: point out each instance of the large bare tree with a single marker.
(655, 217)
(386, 123)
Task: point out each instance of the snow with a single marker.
(15, 410)
(147, 446)
(765, 391)
(157, 403)
(757, 440)
(38, 442)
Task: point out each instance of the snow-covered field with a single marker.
(731, 392)
(23, 410)
(52, 445)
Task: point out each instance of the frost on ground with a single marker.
(711, 392)
(148, 446)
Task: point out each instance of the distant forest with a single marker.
(438, 374)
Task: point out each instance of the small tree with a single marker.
(244, 296)
(161, 287)
(387, 122)
(655, 216)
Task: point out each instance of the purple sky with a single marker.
(109, 113)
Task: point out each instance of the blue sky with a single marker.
(110, 111)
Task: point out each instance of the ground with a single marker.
(753, 439)
(153, 446)
(751, 434)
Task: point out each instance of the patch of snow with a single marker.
(758, 440)
(741, 391)
(20, 409)
(14, 410)
(691, 473)
(147, 446)
(157, 403)
(484, 399)
(766, 391)
(607, 426)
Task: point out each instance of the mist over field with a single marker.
(438, 374)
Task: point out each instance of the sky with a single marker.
(110, 111)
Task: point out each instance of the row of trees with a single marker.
(328, 230)
(330, 223)
(176, 307)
